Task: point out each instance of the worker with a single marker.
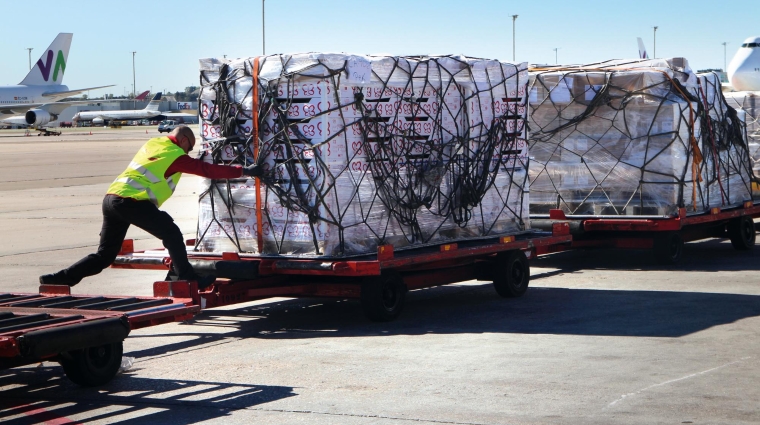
(134, 198)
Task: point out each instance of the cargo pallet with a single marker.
(665, 236)
(85, 333)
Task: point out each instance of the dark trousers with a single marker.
(118, 214)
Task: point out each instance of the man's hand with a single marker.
(253, 171)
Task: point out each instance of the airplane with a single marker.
(642, 50)
(37, 95)
(100, 117)
(744, 68)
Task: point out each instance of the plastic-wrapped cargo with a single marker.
(748, 105)
(638, 137)
(361, 151)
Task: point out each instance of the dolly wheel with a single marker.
(668, 248)
(93, 366)
(382, 297)
(741, 231)
(511, 274)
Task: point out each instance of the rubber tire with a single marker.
(741, 231)
(382, 297)
(93, 366)
(511, 274)
(668, 248)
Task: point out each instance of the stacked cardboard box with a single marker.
(747, 104)
(632, 138)
(361, 151)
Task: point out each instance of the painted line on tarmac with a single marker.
(624, 396)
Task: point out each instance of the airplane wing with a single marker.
(58, 107)
(72, 92)
(16, 110)
(54, 108)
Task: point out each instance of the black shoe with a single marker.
(58, 278)
(203, 281)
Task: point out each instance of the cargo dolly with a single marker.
(85, 333)
(380, 280)
(664, 235)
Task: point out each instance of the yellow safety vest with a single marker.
(143, 179)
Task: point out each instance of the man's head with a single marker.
(184, 137)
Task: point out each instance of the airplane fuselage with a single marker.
(116, 115)
(744, 69)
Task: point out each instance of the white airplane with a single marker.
(100, 117)
(37, 95)
(744, 69)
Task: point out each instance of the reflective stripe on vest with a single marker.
(137, 167)
(135, 184)
(144, 179)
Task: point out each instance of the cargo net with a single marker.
(634, 138)
(362, 151)
(747, 104)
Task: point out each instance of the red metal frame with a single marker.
(638, 233)
(176, 309)
(423, 267)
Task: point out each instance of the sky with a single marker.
(170, 36)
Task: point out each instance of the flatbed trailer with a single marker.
(380, 281)
(85, 333)
(663, 235)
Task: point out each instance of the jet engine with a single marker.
(37, 117)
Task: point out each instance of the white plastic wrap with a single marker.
(360, 151)
(747, 104)
(632, 138)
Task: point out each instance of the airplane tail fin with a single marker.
(51, 65)
(154, 103)
(142, 95)
(642, 50)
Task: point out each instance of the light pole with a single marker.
(263, 33)
(556, 62)
(514, 18)
(133, 74)
(654, 44)
(134, 86)
(30, 56)
(724, 55)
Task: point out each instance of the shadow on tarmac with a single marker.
(478, 309)
(44, 395)
(709, 255)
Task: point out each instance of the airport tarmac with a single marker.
(599, 338)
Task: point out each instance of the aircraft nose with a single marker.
(746, 80)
